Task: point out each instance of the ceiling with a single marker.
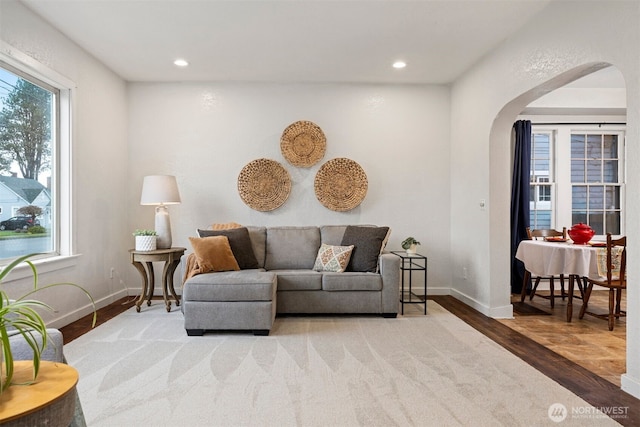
(347, 41)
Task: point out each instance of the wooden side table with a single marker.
(143, 262)
(50, 400)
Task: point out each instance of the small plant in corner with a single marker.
(20, 317)
(406, 243)
(142, 232)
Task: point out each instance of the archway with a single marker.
(513, 110)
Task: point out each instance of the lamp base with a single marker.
(163, 228)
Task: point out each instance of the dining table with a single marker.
(552, 258)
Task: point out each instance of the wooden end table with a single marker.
(143, 262)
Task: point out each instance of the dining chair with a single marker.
(543, 233)
(612, 268)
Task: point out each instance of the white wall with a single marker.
(563, 42)
(101, 233)
(205, 133)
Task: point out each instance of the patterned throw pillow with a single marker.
(333, 258)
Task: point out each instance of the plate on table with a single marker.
(555, 239)
(598, 244)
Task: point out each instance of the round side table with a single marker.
(50, 400)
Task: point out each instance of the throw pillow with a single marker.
(368, 244)
(240, 243)
(214, 254)
(333, 258)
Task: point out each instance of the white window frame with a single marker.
(63, 255)
(561, 158)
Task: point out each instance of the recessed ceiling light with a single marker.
(399, 64)
(181, 62)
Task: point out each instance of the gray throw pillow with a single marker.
(240, 245)
(367, 242)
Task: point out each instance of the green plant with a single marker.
(21, 316)
(406, 243)
(141, 232)
(36, 229)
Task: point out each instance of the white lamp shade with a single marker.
(159, 190)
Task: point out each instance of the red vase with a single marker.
(581, 233)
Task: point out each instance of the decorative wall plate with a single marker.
(303, 144)
(264, 184)
(340, 184)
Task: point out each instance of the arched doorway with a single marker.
(595, 100)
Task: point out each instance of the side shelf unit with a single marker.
(412, 263)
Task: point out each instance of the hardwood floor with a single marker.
(593, 388)
(587, 341)
(555, 348)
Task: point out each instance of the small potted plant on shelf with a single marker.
(409, 244)
(145, 240)
(20, 317)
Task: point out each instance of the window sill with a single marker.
(43, 265)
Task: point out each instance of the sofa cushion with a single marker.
(299, 280)
(292, 247)
(213, 253)
(332, 234)
(351, 282)
(240, 245)
(368, 243)
(258, 236)
(247, 285)
(333, 258)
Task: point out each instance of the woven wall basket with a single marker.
(303, 144)
(340, 184)
(264, 185)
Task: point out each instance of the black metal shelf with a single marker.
(411, 263)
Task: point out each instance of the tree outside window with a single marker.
(27, 133)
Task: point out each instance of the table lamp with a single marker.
(161, 190)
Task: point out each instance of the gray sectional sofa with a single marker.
(279, 277)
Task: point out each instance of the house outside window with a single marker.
(30, 142)
(577, 175)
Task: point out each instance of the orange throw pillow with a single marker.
(214, 254)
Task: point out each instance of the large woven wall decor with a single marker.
(264, 185)
(303, 144)
(340, 184)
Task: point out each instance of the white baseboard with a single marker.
(630, 385)
(71, 317)
(504, 312)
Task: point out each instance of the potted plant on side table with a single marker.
(145, 240)
(410, 244)
(20, 316)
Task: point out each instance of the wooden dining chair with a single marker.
(612, 269)
(542, 234)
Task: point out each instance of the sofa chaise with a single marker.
(337, 269)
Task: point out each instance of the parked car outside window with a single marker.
(18, 222)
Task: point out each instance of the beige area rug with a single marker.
(141, 369)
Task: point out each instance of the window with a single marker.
(32, 170)
(541, 206)
(596, 181)
(577, 175)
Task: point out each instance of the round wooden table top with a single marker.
(54, 381)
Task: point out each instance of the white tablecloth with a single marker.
(553, 258)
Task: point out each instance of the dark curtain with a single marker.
(520, 186)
